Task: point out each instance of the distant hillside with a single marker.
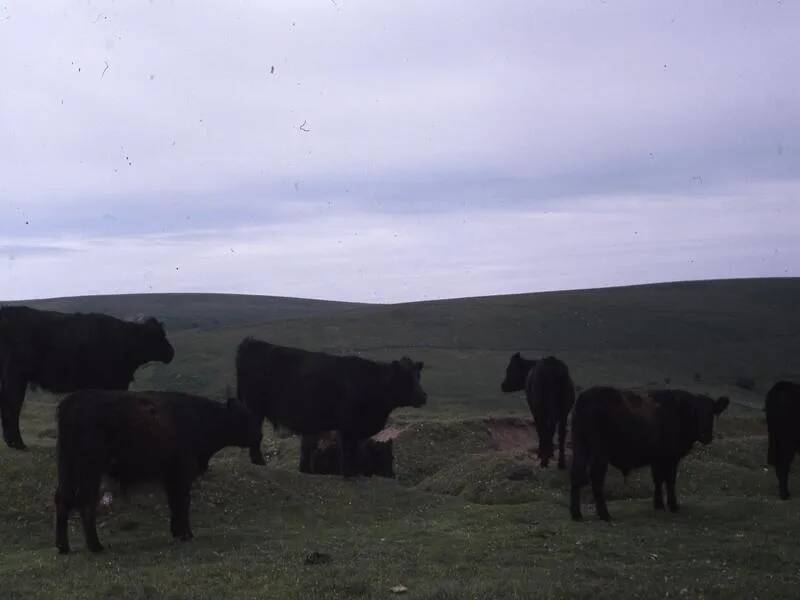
(702, 335)
(187, 311)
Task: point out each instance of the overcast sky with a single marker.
(392, 151)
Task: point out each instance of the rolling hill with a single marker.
(703, 334)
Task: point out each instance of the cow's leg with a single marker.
(545, 430)
(671, 473)
(256, 457)
(597, 472)
(658, 481)
(546, 449)
(179, 498)
(349, 454)
(783, 462)
(63, 501)
(577, 480)
(174, 508)
(562, 436)
(782, 471)
(88, 496)
(308, 444)
(13, 395)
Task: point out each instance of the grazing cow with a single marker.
(322, 454)
(68, 352)
(136, 437)
(313, 392)
(550, 394)
(629, 430)
(783, 425)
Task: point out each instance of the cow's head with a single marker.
(516, 373)
(243, 429)
(405, 383)
(701, 411)
(157, 346)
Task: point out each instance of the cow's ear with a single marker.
(515, 356)
(154, 323)
(721, 404)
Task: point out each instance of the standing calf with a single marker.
(322, 455)
(629, 430)
(550, 394)
(137, 437)
(783, 425)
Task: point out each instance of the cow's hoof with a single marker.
(562, 466)
(577, 517)
(605, 517)
(785, 495)
(658, 507)
(185, 537)
(95, 548)
(63, 549)
(16, 445)
(674, 509)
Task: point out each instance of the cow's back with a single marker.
(632, 428)
(66, 352)
(132, 436)
(550, 386)
(307, 392)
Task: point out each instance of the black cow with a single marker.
(550, 394)
(322, 455)
(313, 392)
(783, 425)
(68, 352)
(136, 437)
(629, 430)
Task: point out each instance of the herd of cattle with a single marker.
(336, 403)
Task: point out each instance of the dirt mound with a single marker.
(512, 434)
(387, 434)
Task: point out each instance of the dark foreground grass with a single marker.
(471, 515)
(470, 525)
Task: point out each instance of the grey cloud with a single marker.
(14, 251)
(529, 91)
(371, 257)
(419, 110)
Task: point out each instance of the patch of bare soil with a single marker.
(387, 434)
(512, 435)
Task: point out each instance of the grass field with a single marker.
(471, 515)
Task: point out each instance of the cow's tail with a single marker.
(772, 450)
(553, 411)
(548, 413)
(770, 402)
(579, 471)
